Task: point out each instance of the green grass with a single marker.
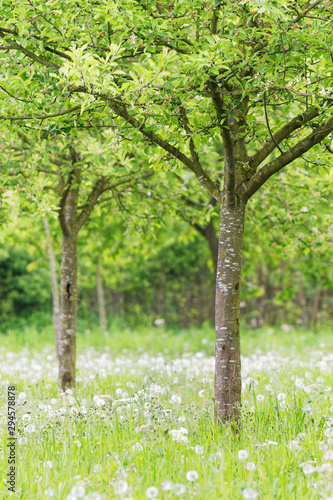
(95, 448)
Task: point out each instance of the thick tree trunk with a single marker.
(227, 313)
(69, 298)
(101, 299)
(54, 287)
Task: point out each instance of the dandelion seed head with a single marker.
(152, 492)
(192, 475)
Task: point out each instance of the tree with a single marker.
(173, 77)
(76, 181)
(54, 287)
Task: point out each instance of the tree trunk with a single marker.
(227, 314)
(316, 303)
(213, 243)
(54, 286)
(101, 299)
(68, 310)
(302, 304)
(209, 233)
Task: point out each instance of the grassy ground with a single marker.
(156, 438)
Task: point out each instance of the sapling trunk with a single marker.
(227, 313)
(54, 287)
(101, 299)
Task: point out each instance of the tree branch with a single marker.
(100, 187)
(196, 168)
(247, 189)
(62, 203)
(42, 117)
(28, 53)
(269, 128)
(93, 196)
(229, 159)
(280, 135)
(304, 12)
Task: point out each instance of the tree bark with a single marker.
(54, 286)
(302, 303)
(316, 303)
(68, 311)
(69, 296)
(101, 299)
(227, 313)
(210, 235)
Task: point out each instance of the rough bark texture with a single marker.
(227, 313)
(54, 286)
(101, 300)
(69, 296)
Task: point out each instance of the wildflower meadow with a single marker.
(166, 229)
(140, 423)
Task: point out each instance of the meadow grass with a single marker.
(154, 436)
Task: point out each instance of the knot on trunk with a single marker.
(66, 379)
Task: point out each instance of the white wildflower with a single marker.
(166, 486)
(120, 487)
(328, 455)
(250, 494)
(30, 428)
(152, 492)
(308, 469)
(192, 475)
(198, 449)
(179, 489)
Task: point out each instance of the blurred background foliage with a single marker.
(159, 266)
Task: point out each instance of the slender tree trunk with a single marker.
(209, 233)
(227, 313)
(213, 242)
(101, 299)
(262, 298)
(54, 286)
(302, 303)
(316, 303)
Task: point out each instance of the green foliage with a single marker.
(21, 291)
